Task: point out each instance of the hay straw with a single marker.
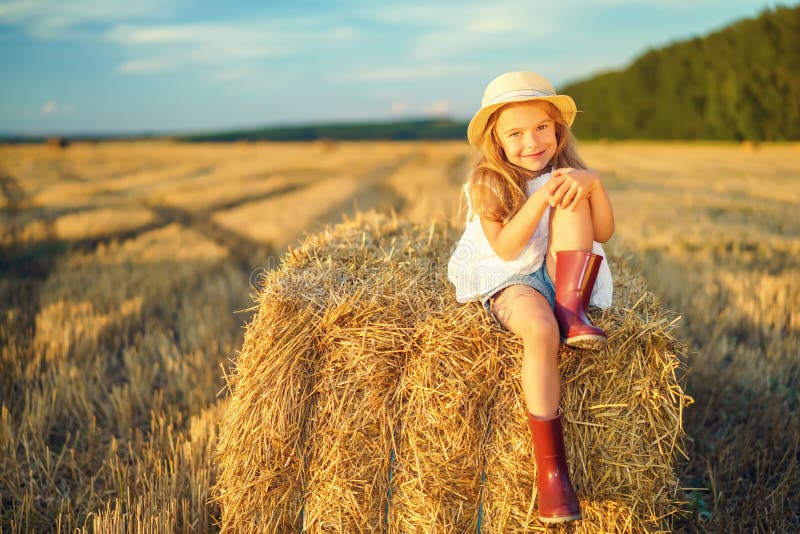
(359, 366)
(447, 392)
(263, 438)
(366, 399)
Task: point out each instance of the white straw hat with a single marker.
(517, 87)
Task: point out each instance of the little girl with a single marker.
(530, 252)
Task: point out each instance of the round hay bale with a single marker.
(57, 142)
(365, 398)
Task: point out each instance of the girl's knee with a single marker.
(542, 331)
(562, 218)
(576, 211)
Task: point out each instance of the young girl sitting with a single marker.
(530, 252)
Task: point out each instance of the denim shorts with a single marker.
(538, 280)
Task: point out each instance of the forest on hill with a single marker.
(408, 130)
(739, 83)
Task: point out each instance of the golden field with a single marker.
(126, 281)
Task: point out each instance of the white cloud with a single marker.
(225, 75)
(439, 108)
(232, 44)
(214, 40)
(50, 19)
(50, 109)
(342, 33)
(158, 47)
(458, 29)
(145, 66)
(412, 72)
(167, 47)
(398, 107)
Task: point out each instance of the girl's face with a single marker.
(527, 135)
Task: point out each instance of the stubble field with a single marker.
(125, 277)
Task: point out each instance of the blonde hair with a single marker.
(496, 186)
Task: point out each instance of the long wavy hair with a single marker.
(496, 187)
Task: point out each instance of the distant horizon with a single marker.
(188, 133)
(170, 67)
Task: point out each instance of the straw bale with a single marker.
(447, 390)
(365, 398)
(360, 359)
(260, 480)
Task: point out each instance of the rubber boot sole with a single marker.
(586, 342)
(562, 519)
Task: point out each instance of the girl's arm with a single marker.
(580, 184)
(509, 239)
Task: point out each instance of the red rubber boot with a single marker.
(576, 271)
(557, 500)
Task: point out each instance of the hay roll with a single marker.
(365, 398)
(262, 441)
(360, 360)
(447, 390)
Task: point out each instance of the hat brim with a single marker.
(564, 103)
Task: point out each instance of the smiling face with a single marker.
(527, 134)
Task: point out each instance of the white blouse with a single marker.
(474, 268)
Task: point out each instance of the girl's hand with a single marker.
(570, 186)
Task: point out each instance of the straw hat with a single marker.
(517, 87)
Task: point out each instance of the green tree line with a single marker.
(410, 130)
(739, 83)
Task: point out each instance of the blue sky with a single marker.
(102, 66)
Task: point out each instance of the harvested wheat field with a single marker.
(126, 273)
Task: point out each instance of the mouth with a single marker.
(535, 155)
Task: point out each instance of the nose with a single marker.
(530, 140)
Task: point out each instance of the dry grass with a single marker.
(276, 219)
(119, 287)
(108, 388)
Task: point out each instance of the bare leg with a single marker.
(569, 230)
(525, 312)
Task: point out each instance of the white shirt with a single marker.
(474, 268)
